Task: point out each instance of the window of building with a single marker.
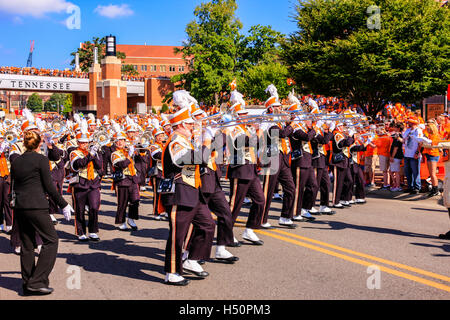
(180, 68)
(172, 68)
(153, 68)
(143, 68)
(162, 68)
(135, 67)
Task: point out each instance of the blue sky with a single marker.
(154, 22)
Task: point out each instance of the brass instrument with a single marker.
(101, 138)
(11, 137)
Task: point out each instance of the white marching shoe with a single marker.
(247, 200)
(132, 224)
(143, 189)
(94, 237)
(298, 218)
(326, 210)
(224, 255)
(123, 227)
(360, 201)
(175, 279)
(266, 225)
(314, 211)
(17, 250)
(305, 214)
(193, 267)
(286, 222)
(250, 235)
(83, 238)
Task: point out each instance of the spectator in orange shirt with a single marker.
(432, 137)
(370, 163)
(383, 143)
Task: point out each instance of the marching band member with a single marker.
(282, 174)
(243, 175)
(85, 187)
(212, 192)
(126, 183)
(156, 175)
(5, 185)
(301, 162)
(187, 204)
(356, 149)
(324, 134)
(56, 155)
(340, 160)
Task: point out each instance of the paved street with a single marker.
(331, 258)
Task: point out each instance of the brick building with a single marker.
(154, 61)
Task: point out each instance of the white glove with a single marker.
(94, 150)
(351, 132)
(3, 146)
(131, 151)
(67, 211)
(332, 126)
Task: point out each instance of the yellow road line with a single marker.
(358, 261)
(355, 260)
(395, 264)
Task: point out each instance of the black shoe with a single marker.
(235, 244)
(201, 262)
(36, 292)
(55, 222)
(445, 236)
(181, 283)
(415, 191)
(256, 243)
(228, 260)
(201, 274)
(332, 212)
(94, 239)
(289, 226)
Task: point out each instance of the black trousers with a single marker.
(180, 220)
(35, 275)
(283, 177)
(358, 178)
(81, 199)
(305, 188)
(5, 209)
(239, 189)
(218, 205)
(53, 207)
(127, 195)
(342, 183)
(158, 208)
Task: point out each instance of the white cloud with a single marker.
(34, 8)
(114, 11)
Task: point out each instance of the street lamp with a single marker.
(111, 45)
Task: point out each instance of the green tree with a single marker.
(211, 50)
(86, 55)
(261, 45)
(345, 49)
(56, 99)
(256, 79)
(164, 108)
(67, 104)
(34, 103)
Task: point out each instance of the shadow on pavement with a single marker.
(111, 264)
(445, 247)
(433, 210)
(9, 283)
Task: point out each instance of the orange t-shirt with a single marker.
(435, 139)
(383, 144)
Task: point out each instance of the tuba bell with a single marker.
(144, 141)
(58, 127)
(101, 138)
(11, 137)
